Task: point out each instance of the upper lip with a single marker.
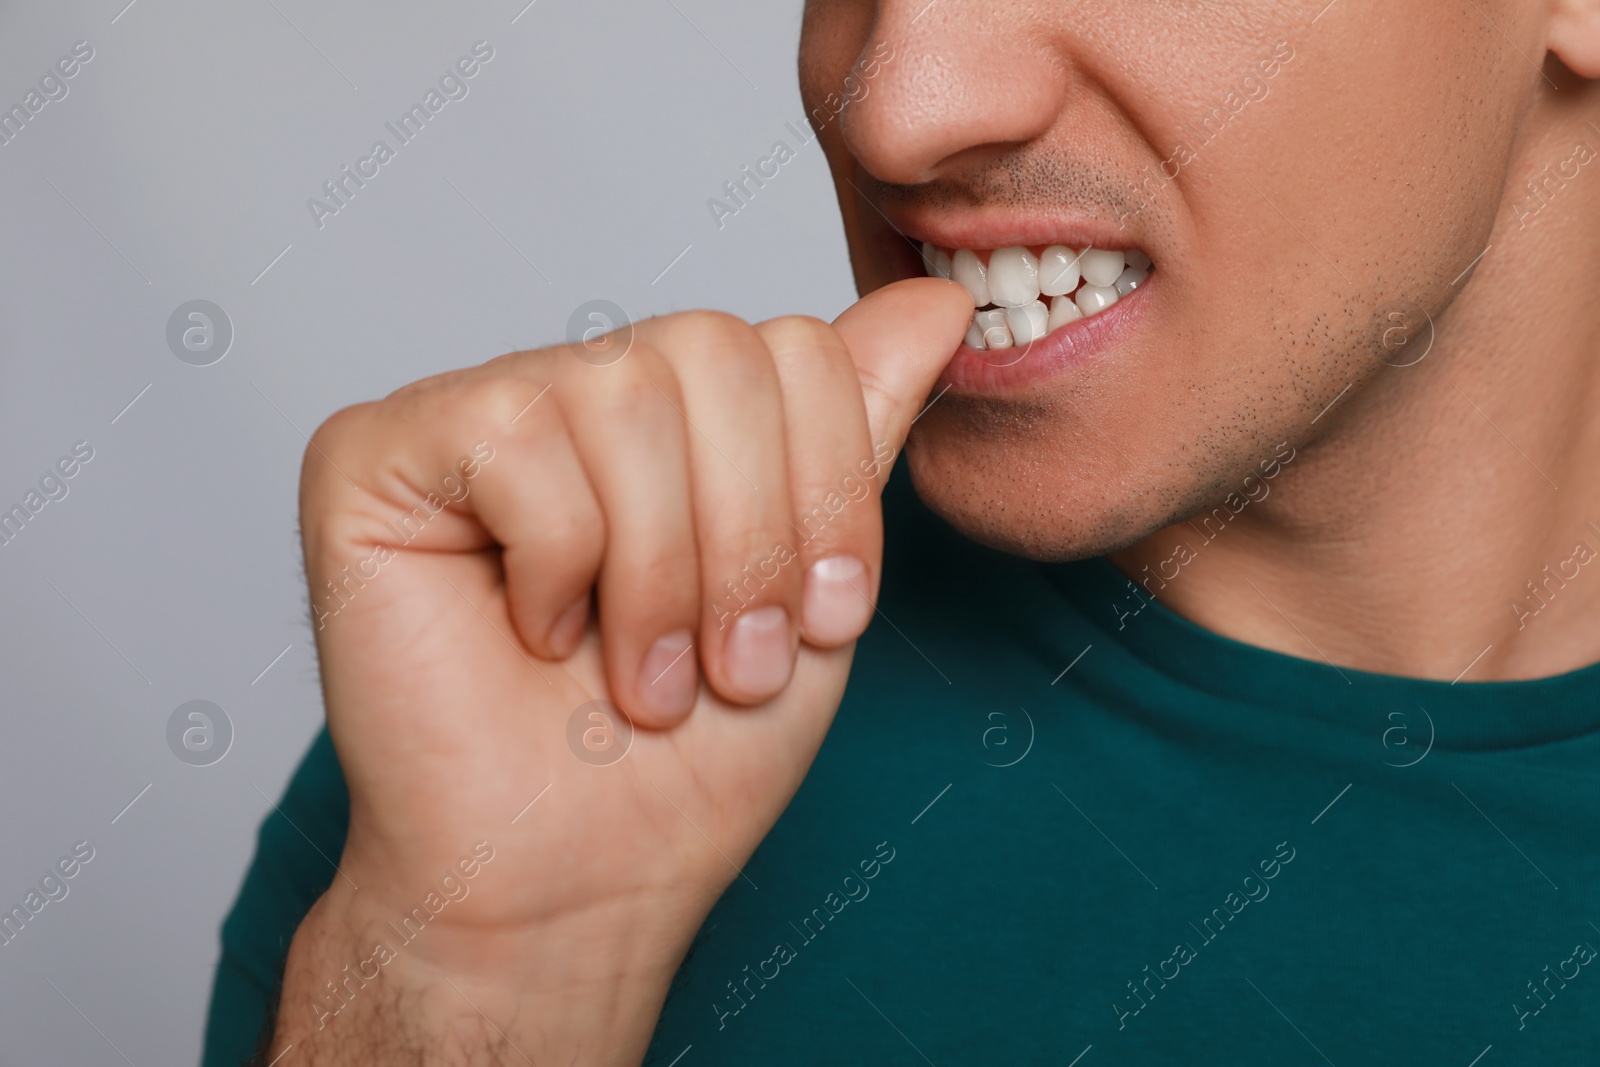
(988, 228)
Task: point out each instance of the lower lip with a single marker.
(973, 370)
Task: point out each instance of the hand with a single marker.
(691, 533)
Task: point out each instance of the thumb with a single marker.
(900, 338)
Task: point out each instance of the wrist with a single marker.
(582, 989)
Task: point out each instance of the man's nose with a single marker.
(968, 81)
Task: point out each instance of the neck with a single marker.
(1444, 521)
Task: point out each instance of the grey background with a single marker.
(177, 168)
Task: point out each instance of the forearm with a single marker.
(583, 992)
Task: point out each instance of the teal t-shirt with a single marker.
(1055, 823)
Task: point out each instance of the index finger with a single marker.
(900, 338)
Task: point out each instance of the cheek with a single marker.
(832, 35)
(1363, 177)
(1366, 174)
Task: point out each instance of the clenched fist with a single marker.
(691, 534)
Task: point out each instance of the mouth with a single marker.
(1021, 295)
(1038, 310)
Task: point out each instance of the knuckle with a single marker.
(634, 390)
(806, 349)
(744, 540)
(333, 441)
(716, 341)
(764, 573)
(821, 526)
(537, 365)
(522, 357)
(663, 581)
(490, 401)
(739, 546)
(326, 499)
(831, 513)
(805, 334)
(573, 534)
(418, 391)
(704, 327)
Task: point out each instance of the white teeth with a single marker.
(1006, 293)
(1093, 298)
(996, 334)
(966, 269)
(1058, 271)
(975, 335)
(1013, 277)
(1062, 311)
(1130, 279)
(1101, 266)
(1029, 322)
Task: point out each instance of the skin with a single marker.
(1281, 252)
(607, 520)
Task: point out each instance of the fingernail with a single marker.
(835, 600)
(760, 652)
(567, 630)
(668, 681)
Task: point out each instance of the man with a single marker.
(1295, 765)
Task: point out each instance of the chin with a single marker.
(1009, 486)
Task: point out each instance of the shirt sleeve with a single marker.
(296, 849)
